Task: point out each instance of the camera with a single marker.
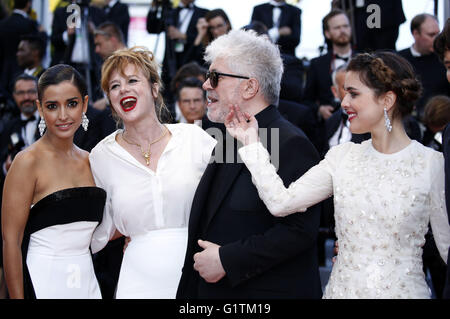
(15, 145)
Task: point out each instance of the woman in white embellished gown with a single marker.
(150, 172)
(386, 190)
(51, 205)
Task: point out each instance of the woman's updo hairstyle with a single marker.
(60, 73)
(387, 71)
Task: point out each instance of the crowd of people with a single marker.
(222, 172)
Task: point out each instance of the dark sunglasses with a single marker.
(213, 77)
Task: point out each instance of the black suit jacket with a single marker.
(332, 125)
(384, 37)
(101, 124)
(446, 147)
(293, 79)
(121, 17)
(11, 30)
(62, 52)
(318, 81)
(263, 256)
(432, 75)
(301, 116)
(157, 23)
(290, 17)
(14, 125)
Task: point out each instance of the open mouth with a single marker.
(211, 100)
(351, 115)
(128, 103)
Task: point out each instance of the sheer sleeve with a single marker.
(438, 215)
(314, 186)
(105, 231)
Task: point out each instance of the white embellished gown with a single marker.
(383, 205)
(150, 207)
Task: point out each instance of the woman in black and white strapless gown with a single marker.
(56, 244)
(46, 248)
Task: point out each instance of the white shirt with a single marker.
(140, 200)
(276, 12)
(184, 18)
(29, 130)
(342, 135)
(414, 52)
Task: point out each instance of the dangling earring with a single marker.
(84, 121)
(387, 122)
(42, 126)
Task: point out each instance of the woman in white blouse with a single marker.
(386, 190)
(150, 172)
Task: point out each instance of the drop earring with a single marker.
(387, 122)
(42, 126)
(84, 121)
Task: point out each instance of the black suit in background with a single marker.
(293, 79)
(446, 147)
(301, 116)
(120, 16)
(11, 30)
(318, 91)
(263, 256)
(332, 125)
(62, 52)
(432, 75)
(385, 37)
(290, 17)
(101, 124)
(158, 20)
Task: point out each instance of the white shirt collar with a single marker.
(29, 71)
(276, 4)
(112, 3)
(36, 115)
(414, 52)
(21, 12)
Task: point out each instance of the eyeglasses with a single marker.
(29, 92)
(213, 77)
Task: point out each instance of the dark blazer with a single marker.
(432, 75)
(318, 81)
(332, 125)
(293, 79)
(385, 37)
(290, 17)
(170, 17)
(14, 125)
(121, 17)
(62, 52)
(263, 256)
(301, 116)
(11, 30)
(101, 124)
(446, 147)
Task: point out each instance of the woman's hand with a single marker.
(242, 126)
(202, 26)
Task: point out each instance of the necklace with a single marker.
(147, 154)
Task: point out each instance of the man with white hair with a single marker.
(236, 248)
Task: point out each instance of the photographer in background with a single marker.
(17, 130)
(75, 45)
(20, 131)
(180, 26)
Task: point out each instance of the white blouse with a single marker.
(139, 199)
(383, 204)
